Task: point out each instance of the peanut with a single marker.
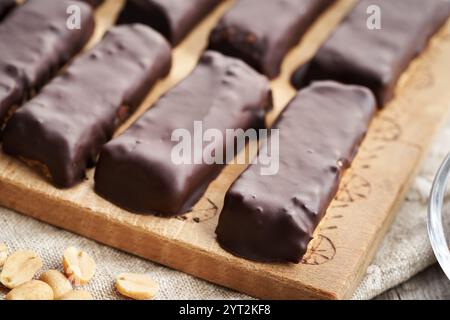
(20, 267)
(77, 295)
(31, 290)
(57, 281)
(3, 254)
(136, 286)
(78, 266)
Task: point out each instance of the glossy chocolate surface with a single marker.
(262, 32)
(136, 170)
(376, 58)
(272, 218)
(172, 18)
(35, 43)
(63, 128)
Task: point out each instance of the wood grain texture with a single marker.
(345, 241)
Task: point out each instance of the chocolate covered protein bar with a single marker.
(141, 170)
(62, 129)
(373, 53)
(271, 218)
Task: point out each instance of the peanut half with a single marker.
(77, 295)
(31, 290)
(136, 286)
(20, 267)
(3, 254)
(78, 266)
(57, 281)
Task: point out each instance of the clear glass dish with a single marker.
(438, 226)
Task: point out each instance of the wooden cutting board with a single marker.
(345, 241)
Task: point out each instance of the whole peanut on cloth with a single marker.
(21, 267)
(31, 290)
(136, 286)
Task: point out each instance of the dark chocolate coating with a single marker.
(354, 54)
(262, 32)
(136, 171)
(6, 6)
(35, 42)
(172, 18)
(64, 127)
(272, 218)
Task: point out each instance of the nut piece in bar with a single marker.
(262, 32)
(137, 170)
(63, 128)
(172, 18)
(35, 43)
(6, 6)
(363, 54)
(272, 218)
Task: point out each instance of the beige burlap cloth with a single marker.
(404, 252)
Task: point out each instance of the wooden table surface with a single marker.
(431, 284)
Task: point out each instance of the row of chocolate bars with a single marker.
(70, 121)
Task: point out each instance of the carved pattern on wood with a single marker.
(385, 129)
(321, 250)
(423, 77)
(354, 188)
(205, 210)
